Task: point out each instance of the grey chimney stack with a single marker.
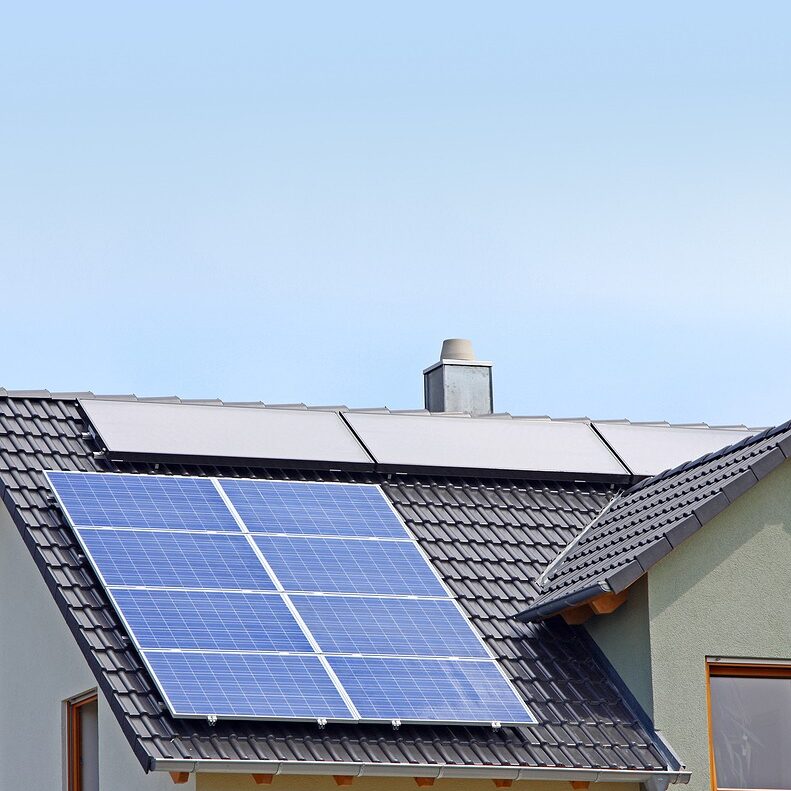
(458, 382)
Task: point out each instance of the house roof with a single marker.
(488, 538)
(169, 429)
(641, 526)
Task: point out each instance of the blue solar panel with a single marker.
(429, 690)
(178, 560)
(349, 566)
(247, 685)
(102, 500)
(210, 620)
(313, 508)
(147, 536)
(406, 627)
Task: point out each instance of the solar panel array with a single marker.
(283, 600)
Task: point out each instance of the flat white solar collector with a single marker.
(287, 437)
(649, 450)
(484, 444)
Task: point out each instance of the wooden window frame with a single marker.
(736, 669)
(74, 738)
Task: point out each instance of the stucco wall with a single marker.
(40, 667)
(725, 592)
(624, 637)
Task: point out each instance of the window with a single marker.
(83, 743)
(750, 726)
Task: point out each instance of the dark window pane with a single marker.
(751, 724)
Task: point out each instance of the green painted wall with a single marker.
(624, 637)
(725, 592)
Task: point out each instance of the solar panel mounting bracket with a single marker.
(322, 723)
(212, 719)
(496, 725)
(396, 724)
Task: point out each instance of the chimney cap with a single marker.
(457, 349)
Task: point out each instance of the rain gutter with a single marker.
(658, 778)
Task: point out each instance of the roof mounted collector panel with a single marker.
(147, 430)
(485, 445)
(649, 450)
(312, 602)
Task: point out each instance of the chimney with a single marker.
(458, 382)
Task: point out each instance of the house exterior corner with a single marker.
(722, 595)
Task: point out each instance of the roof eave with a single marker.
(555, 606)
(371, 769)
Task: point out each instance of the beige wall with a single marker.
(40, 667)
(230, 782)
(724, 592)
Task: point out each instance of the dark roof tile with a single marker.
(655, 516)
(488, 539)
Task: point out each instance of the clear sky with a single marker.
(298, 202)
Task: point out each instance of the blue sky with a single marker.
(298, 202)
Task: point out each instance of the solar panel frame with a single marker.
(324, 658)
(407, 670)
(145, 654)
(529, 718)
(387, 626)
(242, 502)
(191, 520)
(248, 436)
(154, 660)
(256, 578)
(308, 564)
(483, 446)
(651, 449)
(224, 621)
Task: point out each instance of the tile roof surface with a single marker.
(489, 539)
(641, 526)
(174, 399)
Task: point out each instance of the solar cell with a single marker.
(155, 501)
(218, 631)
(429, 690)
(210, 620)
(313, 508)
(176, 560)
(405, 627)
(247, 685)
(349, 566)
